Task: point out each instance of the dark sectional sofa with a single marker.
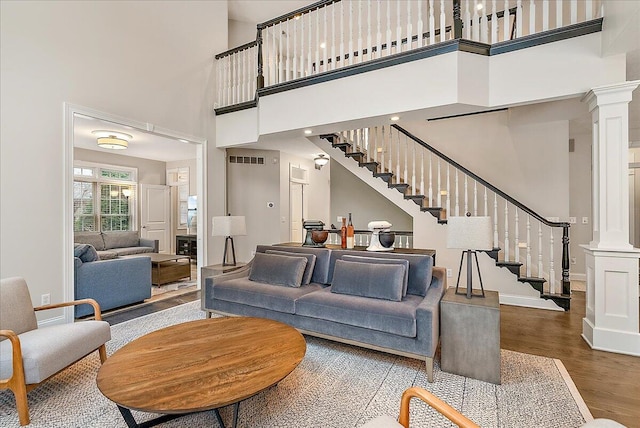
(347, 299)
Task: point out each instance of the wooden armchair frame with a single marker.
(16, 383)
(443, 408)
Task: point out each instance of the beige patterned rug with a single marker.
(336, 385)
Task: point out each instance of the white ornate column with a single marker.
(612, 314)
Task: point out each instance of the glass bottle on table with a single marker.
(351, 239)
(343, 234)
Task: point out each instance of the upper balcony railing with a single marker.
(333, 34)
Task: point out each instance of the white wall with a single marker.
(155, 65)
(240, 33)
(149, 171)
(580, 202)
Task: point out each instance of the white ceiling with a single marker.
(143, 145)
(256, 12)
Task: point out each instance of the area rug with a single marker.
(336, 385)
(172, 286)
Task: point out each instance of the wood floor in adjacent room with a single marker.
(608, 382)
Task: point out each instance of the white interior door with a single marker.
(298, 207)
(155, 214)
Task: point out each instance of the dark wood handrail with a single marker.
(238, 49)
(480, 180)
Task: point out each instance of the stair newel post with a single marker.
(457, 194)
(566, 284)
(552, 272)
(457, 22)
(506, 20)
(496, 244)
(420, 25)
(467, 20)
(475, 24)
(494, 21)
(532, 16)
(528, 268)
(540, 272)
(506, 231)
(409, 26)
(432, 24)
(516, 238)
(545, 15)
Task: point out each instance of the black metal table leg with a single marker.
(236, 408)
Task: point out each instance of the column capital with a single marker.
(610, 94)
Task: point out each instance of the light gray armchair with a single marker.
(31, 355)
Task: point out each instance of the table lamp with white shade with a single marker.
(229, 226)
(470, 234)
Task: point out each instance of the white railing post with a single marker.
(528, 267)
(559, 14)
(383, 143)
(574, 11)
(588, 4)
(439, 202)
(552, 273)
(369, 39)
(420, 25)
(443, 22)
(302, 45)
(431, 201)
(389, 29)
(475, 198)
(409, 26)
(391, 155)
(506, 35)
(294, 60)
(516, 239)
(379, 34)
(484, 27)
(545, 15)
(519, 18)
(398, 29)
(360, 59)
(494, 21)
(467, 20)
(506, 231)
(457, 194)
(310, 53)
(495, 221)
(350, 41)
(540, 272)
(486, 208)
(333, 36)
(406, 150)
(317, 67)
(475, 26)
(342, 59)
(422, 171)
(466, 195)
(432, 24)
(532, 17)
(413, 168)
(397, 171)
(448, 195)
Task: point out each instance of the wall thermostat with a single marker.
(270, 205)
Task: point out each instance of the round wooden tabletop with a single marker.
(201, 365)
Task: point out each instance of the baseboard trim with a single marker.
(577, 277)
(529, 302)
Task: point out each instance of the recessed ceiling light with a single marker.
(182, 141)
(307, 131)
(395, 118)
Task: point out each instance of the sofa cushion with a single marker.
(323, 256)
(85, 252)
(260, 295)
(126, 251)
(379, 281)
(420, 267)
(308, 270)
(375, 314)
(121, 239)
(377, 260)
(92, 238)
(107, 255)
(278, 270)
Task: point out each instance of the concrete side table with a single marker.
(470, 335)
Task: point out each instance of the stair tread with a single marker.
(531, 279)
(503, 263)
(431, 208)
(383, 174)
(414, 196)
(398, 185)
(556, 296)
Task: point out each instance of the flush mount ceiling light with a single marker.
(307, 132)
(320, 161)
(395, 118)
(112, 140)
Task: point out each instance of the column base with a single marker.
(602, 339)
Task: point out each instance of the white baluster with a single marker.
(234, 77)
(350, 60)
(302, 45)
(574, 11)
(588, 4)
(475, 198)
(422, 171)
(398, 28)
(280, 58)
(475, 25)
(390, 152)
(506, 33)
(413, 174)
(287, 64)
(294, 60)
(439, 204)
(495, 221)
(274, 55)
(457, 193)
(369, 39)
(528, 268)
(406, 242)
(545, 15)
(559, 14)
(448, 205)
(519, 18)
(552, 272)
(516, 239)
(245, 77)
(432, 24)
(389, 28)
(486, 208)
(397, 171)
(342, 51)
(466, 195)
(359, 31)
(310, 53)
(229, 79)
(467, 20)
(317, 65)
(494, 21)
(375, 144)
(383, 143)
(540, 273)
(506, 231)
(325, 54)
(333, 36)
(431, 181)
(443, 22)
(379, 34)
(409, 26)
(406, 150)
(484, 27)
(532, 17)
(420, 25)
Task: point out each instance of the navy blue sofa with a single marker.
(409, 327)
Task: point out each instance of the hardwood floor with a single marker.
(608, 382)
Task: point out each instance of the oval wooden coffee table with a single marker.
(199, 365)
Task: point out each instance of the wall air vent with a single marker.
(247, 159)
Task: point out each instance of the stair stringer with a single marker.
(428, 233)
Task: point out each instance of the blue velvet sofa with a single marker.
(405, 323)
(112, 283)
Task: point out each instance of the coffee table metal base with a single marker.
(131, 422)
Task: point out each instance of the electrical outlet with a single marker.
(585, 220)
(449, 273)
(572, 220)
(45, 299)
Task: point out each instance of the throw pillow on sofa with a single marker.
(308, 270)
(380, 260)
(85, 252)
(380, 281)
(278, 270)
